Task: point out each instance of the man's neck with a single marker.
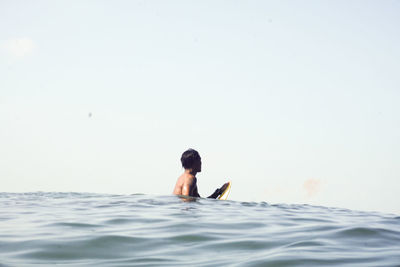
(190, 172)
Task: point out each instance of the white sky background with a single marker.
(293, 101)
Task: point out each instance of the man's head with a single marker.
(191, 160)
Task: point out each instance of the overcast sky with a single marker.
(293, 101)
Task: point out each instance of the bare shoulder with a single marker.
(189, 185)
(179, 185)
(190, 180)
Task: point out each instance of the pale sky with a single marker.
(293, 101)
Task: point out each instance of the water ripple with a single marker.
(79, 229)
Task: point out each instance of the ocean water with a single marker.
(79, 229)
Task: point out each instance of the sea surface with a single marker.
(80, 229)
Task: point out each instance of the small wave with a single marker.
(114, 230)
(74, 225)
(364, 232)
(306, 244)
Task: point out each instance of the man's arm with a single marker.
(215, 194)
(190, 188)
(219, 191)
(196, 192)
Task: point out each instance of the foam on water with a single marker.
(75, 229)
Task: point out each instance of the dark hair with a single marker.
(189, 158)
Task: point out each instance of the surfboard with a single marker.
(226, 192)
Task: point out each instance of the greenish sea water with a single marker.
(80, 229)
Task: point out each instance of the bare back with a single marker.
(186, 185)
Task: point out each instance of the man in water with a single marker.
(187, 182)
